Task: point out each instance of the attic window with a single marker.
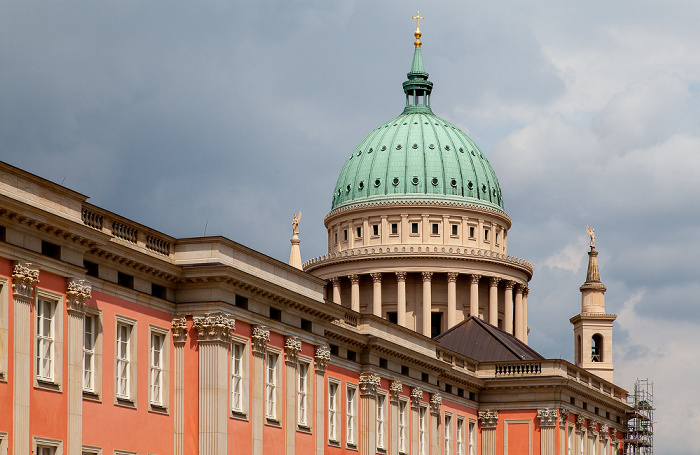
(394, 228)
(348, 188)
(375, 229)
(361, 185)
(436, 229)
(431, 146)
(471, 232)
(377, 182)
(415, 180)
(395, 182)
(415, 146)
(453, 183)
(414, 228)
(454, 229)
(434, 181)
(398, 147)
(447, 147)
(359, 232)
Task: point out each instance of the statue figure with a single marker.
(591, 234)
(295, 223)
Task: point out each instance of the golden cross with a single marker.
(417, 33)
(417, 17)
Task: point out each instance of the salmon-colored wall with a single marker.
(457, 410)
(515, 435)
(273, 437)
(345, 376)
(240, 432)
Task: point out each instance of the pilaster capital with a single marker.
(395, 390)
(369, 383)
(24, 277)
(580, 424)
(509, 284)
(400, 276)
(354, 278)
(214, 328)
(563, 417)
(336, 281)
(435, 403)
(427, 276)
(292, 346)
(604, 431)
(261, 335)
(322, 357)
(77, 292)
(548, 417)
(416, 396)
(474, 279)
(179, 329)
(494, 280)
(452, 277)
(376, 277)
(489, 420)
(613, 439)
(592, 429)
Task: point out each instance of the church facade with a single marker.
(409, 336)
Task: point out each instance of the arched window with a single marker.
(597, 348)
(577, 350)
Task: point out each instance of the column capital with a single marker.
(548, 417)
(292, 346)
(77, 292)
(336, 281)
(395, 390)
(261, 335)
(518, 288)
(563, 416)
(494, 280)
(604, 431)
(427, 276)
(322, 357)
(509, 284)
(24, 277)
(179, 329)
(435, 403)
(354, 278)
(400, 276)
(416, 396)
(369, 383)
(474, 279)
(592, 429)
(580, 424)
(452, 277)
(526, 291)
(489, 419)
(214, 328)
(376, 277)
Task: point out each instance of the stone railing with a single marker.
(518, 369)
(92, 219)
(350, 319)
(124, 232)
(158, 245)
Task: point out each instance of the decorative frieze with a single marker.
(24, 277)
(416, 396)
(395, 390)
(213, 328)
(292, 346)
(563, 417)
(489, 419)
(548, 417)
(369, 383)
(261, 335)
(322, 357)
(435, 403)
(179, 329)
(77, 292)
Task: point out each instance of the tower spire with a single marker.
(417, 88)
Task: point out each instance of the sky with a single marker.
(225, 118)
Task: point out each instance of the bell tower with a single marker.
(593, 327)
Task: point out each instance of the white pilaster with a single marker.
(519, 312)
(179, 331)
(401, 298)
(493, 301)
(292, 346)
(548, 422)
(474, 296)
(368, 413)
(355, 292)
(435, 403)
(395, 390)
(508, 323)
(261, 335)
(489, 422)
(452, 299)
(427, 301)
(321, 359)
(377, 294)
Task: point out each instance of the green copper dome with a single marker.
(417, 156)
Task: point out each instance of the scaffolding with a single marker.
(640, 421)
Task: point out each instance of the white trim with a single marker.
(382, 420)
(39, 442)
(333, 410)
(351, 427)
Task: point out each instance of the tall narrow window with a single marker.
(89, 353)
(394, 228)
(421, 431)
(156, 368)
(271, 387)
(472, 438)
(402, 426)
(414, 228)
(571, 442)
(381, 418)
(123, 361)
(350, 413)
(45, 450)
(448, 435)
(302, 393)
(332, 411)
(45, 337)
(460, 436)
(237, 378)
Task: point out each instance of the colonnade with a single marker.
(515, 314)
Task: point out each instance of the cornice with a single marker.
(48, 228)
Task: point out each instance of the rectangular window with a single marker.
(414, 228)
(471, 232)
(454, 229)
(271, 387)
(359, 232)
(123, 383)
(335, 238)
(571, 442)
(394, 228)
(472, 438)
(448, 434)
(351, 416)
(302, 393)
(237, 350)
(50, 250)
(486, 235)
(375, 229)
(460, 436)
(402, 426)
(125, 280)
(45, 450)
(421, 431)
(333, 411)
(156, 368)
(381, 419)
(345, 235)
(45, 338)
(89, 336)
(436, 229)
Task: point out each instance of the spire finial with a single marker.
(417, 33)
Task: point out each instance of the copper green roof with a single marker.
(417, 156)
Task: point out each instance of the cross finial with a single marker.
(417, 33)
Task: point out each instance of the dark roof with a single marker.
(484, 342)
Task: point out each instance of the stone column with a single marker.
(452, 299)
(377, 296)
(416, 397)
(214, 339)
(474, 296)
(548, 422)
(368, 413)
(581, 434)
(322, 358)
(489, 422)
(395, 390)
(77, 292)
(24, 277)
(401, 298)
(526, 291)
(179, 330)
(592, 435)
(563, 416)
(336, 290)
(493, 301)
(435, 403)
(604, 435)
(260, 337)
(427, 301)
(292, 346)
(355, 292)
(508, 316)
(519, 312)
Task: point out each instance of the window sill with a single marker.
(381, 450)
(333, 443)
(238, 415)
(157, 408)
(91, 396)
(350, 446)
(125, 402)
(303, 428)
(272, 422)
(47, 384)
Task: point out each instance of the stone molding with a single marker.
(77, 292)
(427, 276)
(580, 424)
(494, 280)
(452, 277)
(24, 277)
(563, 416)
(369, 383)
(395, 390)
(214, 328)
(354, 278)
(261, 335)
(400, 276)
(489, 420)
(376, 277)
(322, 357)
(548, 417)
(474, 279)
(292, 346)
(416, 396)
(435, 403)
(179, 329)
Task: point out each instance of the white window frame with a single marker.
(447, 448)
(125, 359)
(239, 378)
(45, 339)
(89, 344)
(471, 437)
(48, 377)
(333, 410)
(4, 328)
(460, 436)
(351, 433)
(381, 421)
(3, 442)
(402, 424)
(47, 446)
(93, 392)
(571, 440)
(422, 430)
(92, 450)
(158, 374)
(272, 385)
(303, 393)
